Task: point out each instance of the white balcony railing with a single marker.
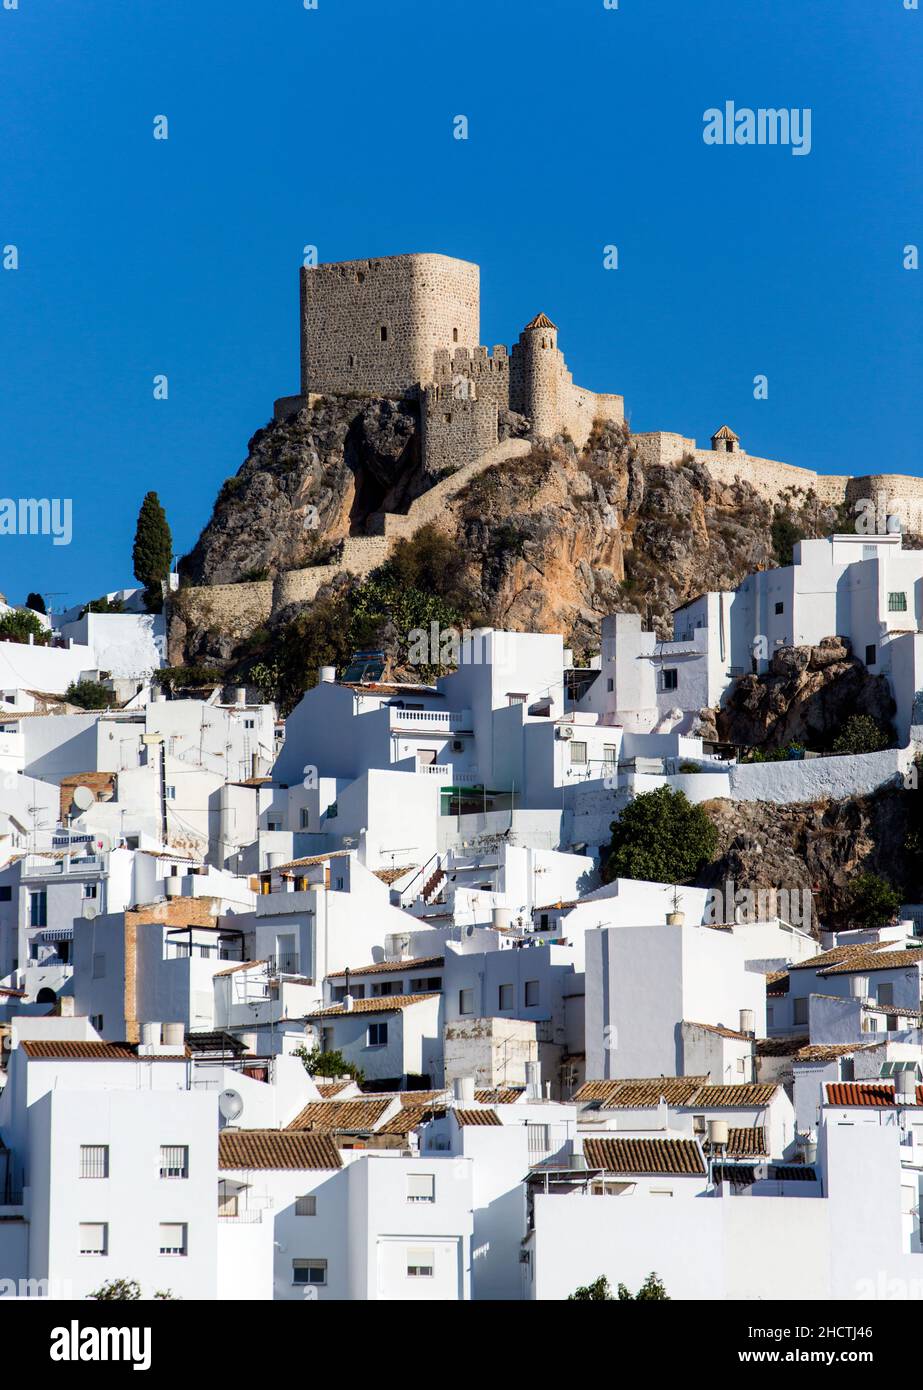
(431, 718)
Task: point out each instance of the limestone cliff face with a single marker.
(551, 541)
(820, 846)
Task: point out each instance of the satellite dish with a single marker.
(83, 798)
(230, 1105)
(89, 911)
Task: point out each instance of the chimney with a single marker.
(533, 1081)
(463, 1088)
(348, 1002)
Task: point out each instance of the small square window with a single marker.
(610, 685)
(531, 993)
(94, 1238)
(421, 1187)
(420, 1263)
(505, 999)
(94, 1160)
(306, 1206)
(378, 1034)
(6, 893)
(309, 1272)
(780, 608)
(897, 603)
(173, 1238)
(90, 890)
(466, 1001)
(174, 1161)
(670, 678)
(169, 793)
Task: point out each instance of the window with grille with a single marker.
(172, 1237)
(306, 1206)
(421, 1187)
(897, 603)
(578, 754)
(174, 1161)
(94, 1238)
(421, 1262)
(309, 1271)
(94, 1160)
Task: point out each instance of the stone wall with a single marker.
(233, 609)
(375, 325)
(431, 506)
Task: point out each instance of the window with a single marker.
(769, 1016)
(339, 884)
(99, 966)
(249, 723)
(454, 335)
(661, 1192)
(870, 655)
(578, 754)
(90, 890)
(799, 1010)
(610, 754)
(169, 793)
(425, 984)
(174, 1161)
(378, 1035)
(94, 1160)
(544, 922)
(780, 608)
(38, 908)
(897, 603)
(386, 987)
(305, 818)
(610, 685)
(96, 1021)
(309, 1271)
(306, 1206)
(466, 1001)
(505, 999)
(698, 1124)
(173, 1238)
(670, 678)
(420, 1263)
(94, 1238)
(531, 994)
(6, 893)
(514, 699)
(383, 333)
(885, 993)
(421, 1187)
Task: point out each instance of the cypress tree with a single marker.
(153, 546)
(36, 603)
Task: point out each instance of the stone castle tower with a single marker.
(409, 326)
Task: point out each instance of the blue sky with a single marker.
(333, 127)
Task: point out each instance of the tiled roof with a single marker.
(879, 960)
(309, 860)
(387, 1004)
(476, 1117)
(387, 967)
(756, 1094)
(71, 1050)
(640, 1093)
(866, 1094)
(408, 1118)
(329, 1089)
(417, 1098)
(826, 1052)
(340, 1116)
(215, 1040)
(679, 1156)
(722, 1032)
(835, 956)
(273, 1148)
(390, 876)
(241, 965)
(500, 1095)
(745, 1174)
(541, 321)
(777, 983)
(745, 1141)
(780, 1047)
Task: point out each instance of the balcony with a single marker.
(36, 867)
(427, 719)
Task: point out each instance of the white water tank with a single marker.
(150, 1034)
(500, 918)
(463, 1089)
(240, 695)
(174, 1034)
(718, 1133)
(274, 858)
(327, 675)
(746, 1021)
(905, 1086)
(533, 1080)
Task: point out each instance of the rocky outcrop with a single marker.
(805, 697)
(819, 846)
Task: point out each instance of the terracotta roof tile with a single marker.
(71, 1050)
(387, 1004)
(385, 967)
(879, 960)
(640, 1093)
(780, 1047)
(408, 1118)
(745, 1141)
(477, 1117)
(273, 1148)
(826, 1052)
(340, 1116)
(865, 1094)
(392, 875)
(500, 1095)
(756, 1094)
(722, 1032)
(836, 955)
(653, 1156)
(241, 965)
(329, 1089)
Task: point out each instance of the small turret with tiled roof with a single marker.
(725, 441)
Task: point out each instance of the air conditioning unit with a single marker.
(565, 731)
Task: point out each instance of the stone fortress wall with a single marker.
(409, 326)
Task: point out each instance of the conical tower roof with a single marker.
(541, 321)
